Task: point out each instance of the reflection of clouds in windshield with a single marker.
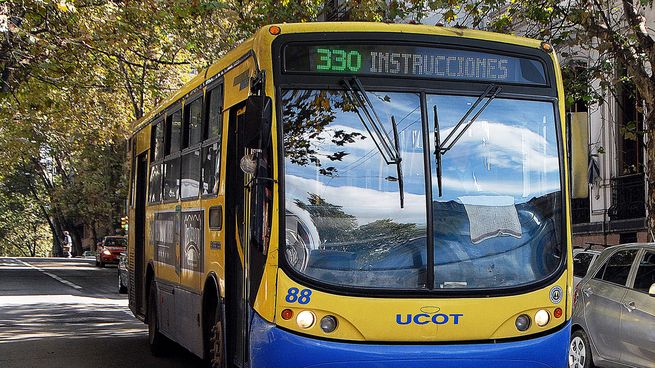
(452, 188)
(506, 146)
(367, 205)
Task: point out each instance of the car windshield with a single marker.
(356, 218)
(116, 242)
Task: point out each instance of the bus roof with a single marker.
(331, 27)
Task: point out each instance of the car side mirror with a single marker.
(651, 291)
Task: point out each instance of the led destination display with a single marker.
(410, 61)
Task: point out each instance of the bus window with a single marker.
(157, 142)
(191, 174)
(155, 184)
(193, 123)
(171, 179)
(173, 132)
(210, 168)
(214, 113)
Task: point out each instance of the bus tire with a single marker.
(216, 358)
(580, 351)
(156, 340)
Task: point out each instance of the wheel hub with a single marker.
(577, 353)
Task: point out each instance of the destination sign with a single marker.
(415, 62)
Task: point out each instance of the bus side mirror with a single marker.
(579, 151)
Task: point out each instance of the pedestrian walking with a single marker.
(68, 245)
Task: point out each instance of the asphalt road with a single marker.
(67, 313)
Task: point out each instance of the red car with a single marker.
(109, 250)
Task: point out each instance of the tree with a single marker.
(75, 74)
(617, 34)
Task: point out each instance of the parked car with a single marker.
(122, 273)
(582, 260)
(614, 310)
(109, 250)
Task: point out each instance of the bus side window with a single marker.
(211, 151)
(173, 132)
(154, 194)
(214, 113)
(192, 136)
(157, 141)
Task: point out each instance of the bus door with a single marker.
(137, 297)
(236, 258)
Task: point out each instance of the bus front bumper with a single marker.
(273, 347)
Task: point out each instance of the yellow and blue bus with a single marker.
(381, 195)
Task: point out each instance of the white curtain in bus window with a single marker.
(214, 112)
(193, 123)
(191, 174)
(210, 169)
(171, 179)
(174, 132)
(154, 194)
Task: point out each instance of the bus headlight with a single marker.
(328, 324)
(522, 322)
(305, 319)
(541, 318)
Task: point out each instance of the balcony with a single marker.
(628, 197)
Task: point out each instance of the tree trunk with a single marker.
(650, 169)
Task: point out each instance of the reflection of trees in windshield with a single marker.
(307, 115)
(339, 231)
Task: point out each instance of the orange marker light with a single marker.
(275, 30)
(287, 314)
(547, 47)
(557, 313)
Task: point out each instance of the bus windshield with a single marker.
(497, 223)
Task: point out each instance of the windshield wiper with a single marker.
(437, 148)
(441, 148)
(490, 93)
(370, 119)
(399, 167)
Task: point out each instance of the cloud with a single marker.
(507, 146)
(366, 204)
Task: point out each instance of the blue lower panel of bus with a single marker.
(272, 347)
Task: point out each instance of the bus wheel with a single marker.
(216, 343)
(155, 339)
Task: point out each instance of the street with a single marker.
(57, 312)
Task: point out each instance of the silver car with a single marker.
(582, 261)
(613, 322)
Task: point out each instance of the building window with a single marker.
(575, 75)
(630, 145)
